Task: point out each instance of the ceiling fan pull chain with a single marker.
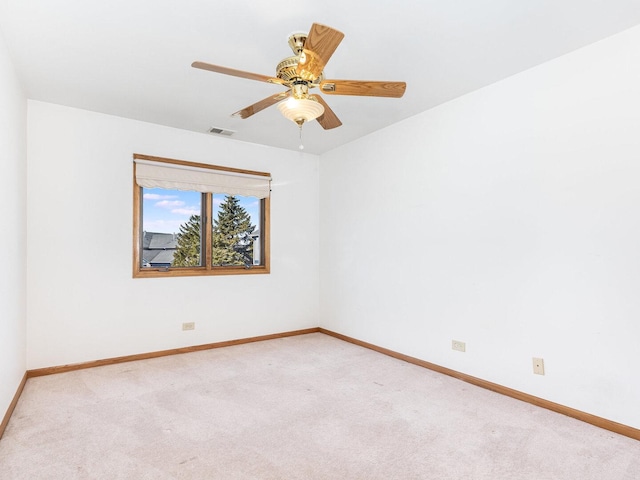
(301, 147)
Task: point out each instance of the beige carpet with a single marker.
(306, 407)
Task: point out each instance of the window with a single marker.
(196, 219)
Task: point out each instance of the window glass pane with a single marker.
(236, 230)
(171, 229)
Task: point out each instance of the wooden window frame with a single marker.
(207, 269)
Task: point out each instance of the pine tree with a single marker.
(187, 253)
(231, 242)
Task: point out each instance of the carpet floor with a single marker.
(305, 407)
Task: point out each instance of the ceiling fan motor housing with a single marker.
(287, 72)
(286, 69)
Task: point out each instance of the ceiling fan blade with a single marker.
(261, 105)
(328, 119)
(363, 88)
(321, 42)
(236, 73)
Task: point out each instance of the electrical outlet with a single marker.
(538, 366)
(189, 326)
(459, 346)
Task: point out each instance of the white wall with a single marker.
(508, 219)
(13, 238)
(83, 303)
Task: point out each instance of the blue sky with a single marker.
(165, 210)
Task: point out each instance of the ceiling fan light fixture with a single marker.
(300, 110)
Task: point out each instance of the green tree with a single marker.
(187, 253)
(231, 242)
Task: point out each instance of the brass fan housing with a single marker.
(287, 68)
(286, 71)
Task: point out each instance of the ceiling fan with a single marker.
(304, 71)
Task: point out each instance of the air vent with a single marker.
(221, 131)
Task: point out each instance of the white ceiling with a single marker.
(132, 58)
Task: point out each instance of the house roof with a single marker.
(159, 257)
(158, 248)
(159, 241)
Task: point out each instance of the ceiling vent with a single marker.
(221, 131)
